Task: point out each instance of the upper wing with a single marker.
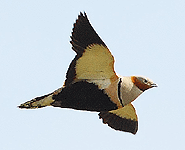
(93, 59)
(123, 119)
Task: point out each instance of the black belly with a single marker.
(83, 96)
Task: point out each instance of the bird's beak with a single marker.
(154, 85)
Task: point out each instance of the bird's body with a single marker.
(91, 83)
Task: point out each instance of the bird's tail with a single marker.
(41, 101)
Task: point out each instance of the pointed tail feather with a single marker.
(38, 102)
(41, 101)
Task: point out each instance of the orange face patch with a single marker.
(141, 85)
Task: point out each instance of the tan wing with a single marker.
(95, 63)
(123, 119)
(93, 59)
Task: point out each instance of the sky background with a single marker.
(146, 38)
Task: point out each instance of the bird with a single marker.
(92, 84)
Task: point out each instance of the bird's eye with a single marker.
(145, 80)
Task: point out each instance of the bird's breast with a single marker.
(129, 92)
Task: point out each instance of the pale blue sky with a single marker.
(146, 38)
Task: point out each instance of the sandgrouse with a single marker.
(91, 83)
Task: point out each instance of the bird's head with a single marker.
(143, 83)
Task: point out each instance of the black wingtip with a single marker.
(83, 14)
(83, 34)
(118, 123)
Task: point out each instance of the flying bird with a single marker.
(91, 83)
